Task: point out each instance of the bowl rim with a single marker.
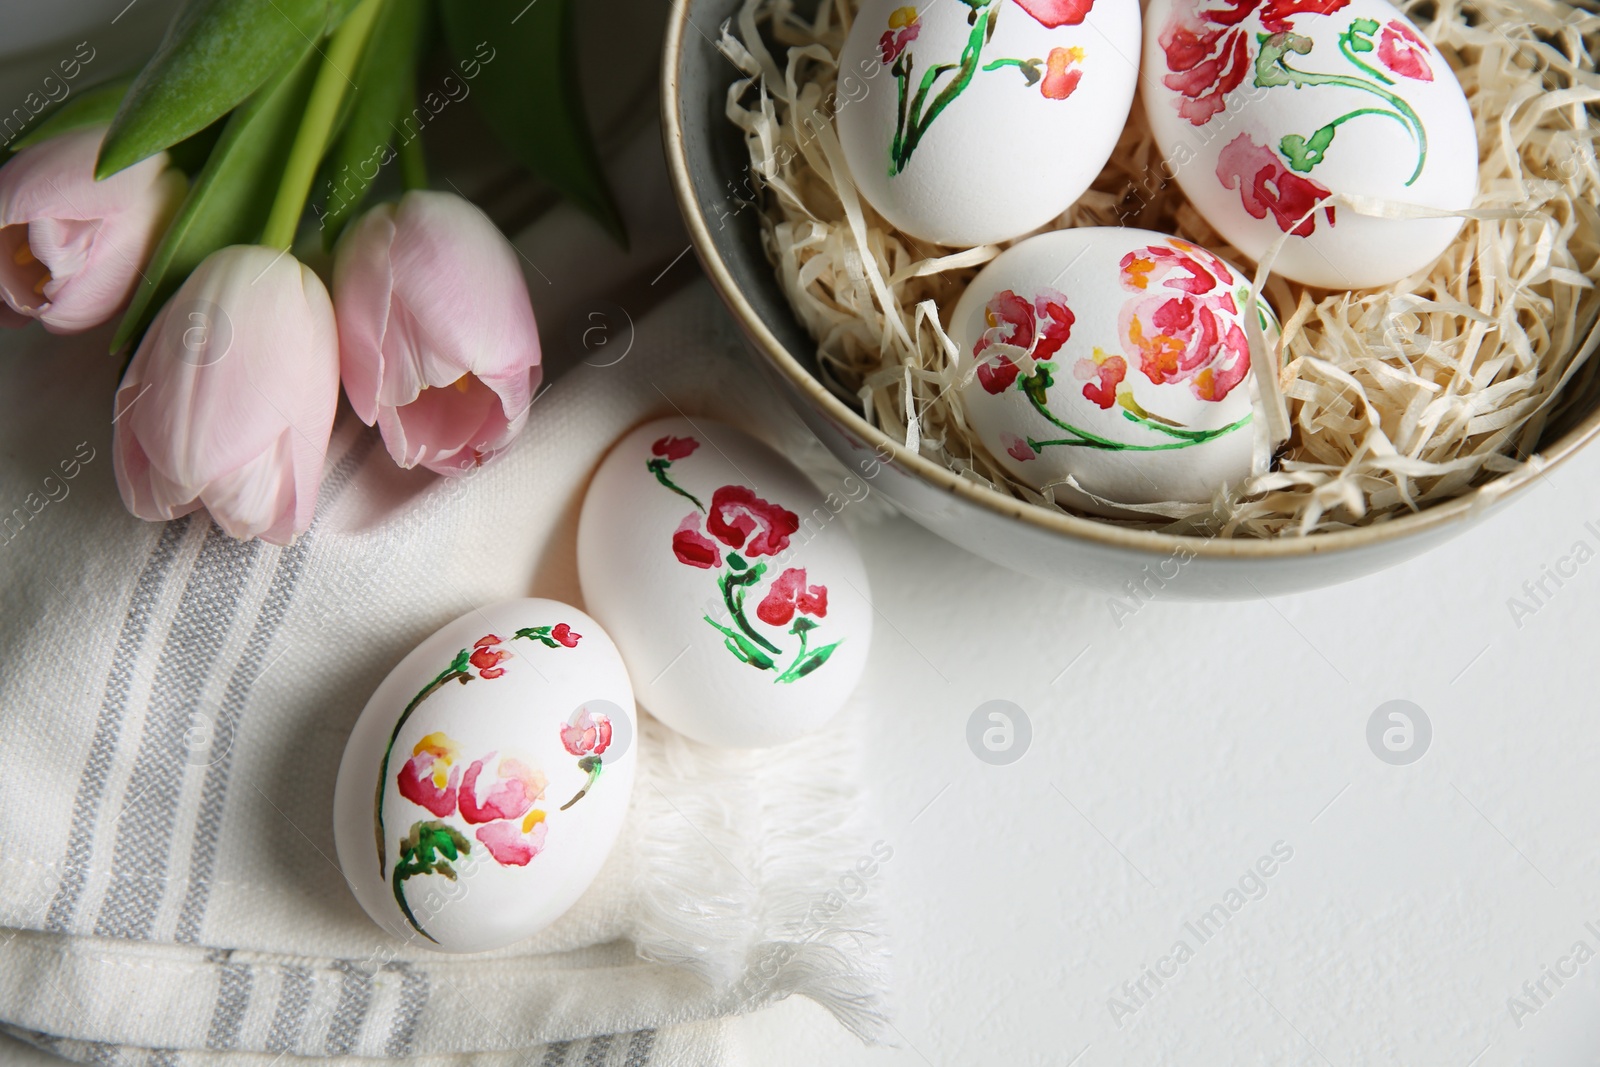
(1455, 511)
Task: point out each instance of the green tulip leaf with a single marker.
(87, 107)
(383, 93)
(230, 199)
(528, 93)
(215, 54)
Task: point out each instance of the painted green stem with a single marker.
(457, 669)
(316, 128)
(1084, 439)
(915, 124)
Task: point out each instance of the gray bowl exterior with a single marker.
(716, 192)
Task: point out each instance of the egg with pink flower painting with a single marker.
(1264, 110)
(487, 778)
(729, 579)
(964, 123)
(1108, 365)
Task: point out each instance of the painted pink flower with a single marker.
(693, 547)
(903, 29)
(1184, 330)
(790, 594)
(1053, 13)
(1054, 323)
(740, 519)
(516, 789)
(487, 656)
(1207, 43)
(1103, 376)
(589, 734)
(428, 778)
(1018, 448)
(1402, 51)
(512, 845)
(674, 448)
(564, 636)
(1266, 185)
(1062, 74)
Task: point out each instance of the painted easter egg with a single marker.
(486, 779)
(730, 583)
(971, 122)
(1115, 356)
(1262, 108)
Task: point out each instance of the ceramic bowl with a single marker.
(709, 172)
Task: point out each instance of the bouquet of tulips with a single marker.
(178, 198)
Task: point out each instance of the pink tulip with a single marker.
(229, 402)
(71, 248)
(437, 342)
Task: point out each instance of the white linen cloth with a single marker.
(174, 705)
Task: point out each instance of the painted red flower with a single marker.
(1207, 43)
(1053, 13)
(428, 779)
(487, 656)
(740, 519)
(564, 636)
(1185, 328)
(1040, 329)
(1103, 375)
(693, 547)
(1403, 52)
(903, 29)
(1062, 74)
(588, 734)
(516, 789)
(674, 448)
(514, 845)
(788, 594)
(1010, 322)
(1265, 184)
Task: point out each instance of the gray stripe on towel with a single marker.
(107, 728)
(233, 1000)
(355, 998)
(414, 992)
(144, 830)
(214, 790)
(639, 1049)
(555, 1054)
(294, 1004)
(599, 1046)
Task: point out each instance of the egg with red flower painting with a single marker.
(969, 122)
(1108, 365)
(487, 778)
(729, 580)
(1265, 110)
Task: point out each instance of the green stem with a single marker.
(1301, 78)
(413, 163)
(799, 657)
(448, 675)
(322, 110)
(1084, 439)
(401, 873)
(736, 609)
(968, 66)
(658, 466)
(1344, 46)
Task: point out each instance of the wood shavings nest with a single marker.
(1396, 398)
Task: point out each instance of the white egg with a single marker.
(485, 781)
(732, 587)
(1112, 355)
(1264, 107)
(970, 121)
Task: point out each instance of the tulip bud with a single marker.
(437, 342)
(72, 248)
(229, 401)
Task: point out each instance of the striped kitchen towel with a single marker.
(174, 705)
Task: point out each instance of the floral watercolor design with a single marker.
(587, 736)
(1209, 54)
(734, 532)
(1179, 326)
(433, 779)
(921, 101)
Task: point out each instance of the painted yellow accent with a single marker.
(901, 17)
(440, 745)
(1100, 355)
(1076, 54)
(1138, 272)
(534, 818)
